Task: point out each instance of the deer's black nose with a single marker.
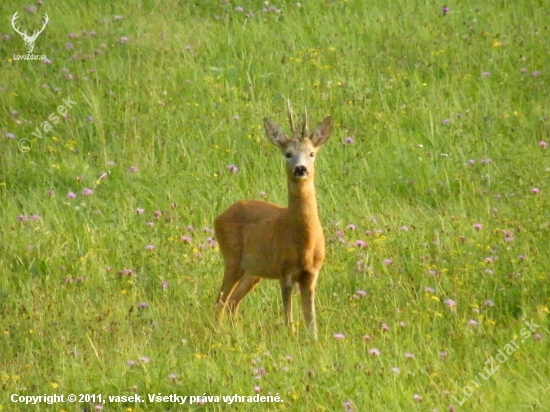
(300, 171)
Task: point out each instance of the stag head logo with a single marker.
(29, 40)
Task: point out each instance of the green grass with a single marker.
(420, 93)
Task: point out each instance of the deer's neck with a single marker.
(302, 207)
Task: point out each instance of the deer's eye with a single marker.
(312, 154)
(288, 155)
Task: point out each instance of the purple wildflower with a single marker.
(348, 406)
(87, 192)
(361, 244)
(71, 195)
(232, 168)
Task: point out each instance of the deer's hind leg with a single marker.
(232, 275)
(245, 285)
(229, 236)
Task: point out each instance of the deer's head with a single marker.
(301, 149)
(29, 40)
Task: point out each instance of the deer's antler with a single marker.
(15, 17)
(291, 118)
(24, 34)
(305, 128)
(36, 33)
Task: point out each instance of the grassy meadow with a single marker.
(433, 194)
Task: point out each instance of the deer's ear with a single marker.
(322, 132)
(275, 133)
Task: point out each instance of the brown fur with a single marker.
(262, 240)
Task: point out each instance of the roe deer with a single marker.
(262, 240)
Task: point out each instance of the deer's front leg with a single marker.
(307, 293)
